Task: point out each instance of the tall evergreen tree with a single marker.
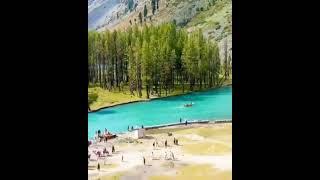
(140, 17)
(145, 11)
(154, 59)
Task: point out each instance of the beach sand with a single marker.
(204, 152)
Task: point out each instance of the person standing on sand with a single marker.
(98, 167)
(96, 136)
(113, 150)
(174, 140)
(122, 158)
(153, 145)
(144, 161)
(165, 144)
(186, 122)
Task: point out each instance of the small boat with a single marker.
(111, 136)
(188, 105)
(108, 136)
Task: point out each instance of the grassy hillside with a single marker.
(214, 17)
(216, 23)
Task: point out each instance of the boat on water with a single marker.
(188, 105)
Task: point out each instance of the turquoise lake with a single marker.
(207, 105)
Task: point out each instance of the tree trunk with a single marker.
(147, 90)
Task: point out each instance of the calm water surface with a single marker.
(207, 105)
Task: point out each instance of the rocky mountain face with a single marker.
(214, 17)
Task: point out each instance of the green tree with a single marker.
(140, 17)
(155, 59)
(145, 11)
(92, 97)
(153, 5)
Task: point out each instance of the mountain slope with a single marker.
(99, 11)
(214, 17)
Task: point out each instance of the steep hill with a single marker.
(214, 17)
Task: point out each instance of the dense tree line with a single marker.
(156, 59)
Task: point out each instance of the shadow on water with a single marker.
(194, 96)
(103, 112)
(184, 98)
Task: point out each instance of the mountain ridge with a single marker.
(214, 17)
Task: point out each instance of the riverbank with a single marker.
(108, 99)
(204, 151)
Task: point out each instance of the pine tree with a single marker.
(225, 63)
(140, 17)
(145, 11)
(146, 66)
(153, 5)
(154, 58)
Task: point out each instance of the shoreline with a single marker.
(178, 124)
(190, 124)
(155, 98)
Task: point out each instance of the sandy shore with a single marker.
(204, 151)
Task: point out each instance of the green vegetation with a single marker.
(130, 5)
(157, 59)
(153, 5)
(145, 11)
(215, 18)
(105, 98)
(92, 97)
(108, 98)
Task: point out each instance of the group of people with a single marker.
(103, 153)
(99, 137)
(132, 128)
(102, 136)
(99, 154)
(186, 122)
(155, 144)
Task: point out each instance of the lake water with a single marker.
(207, 105)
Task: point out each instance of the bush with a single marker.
(92, 97)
